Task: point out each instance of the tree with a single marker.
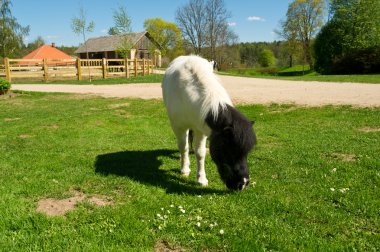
(304, 19)
(39, 41)
(217, 29)
(122, 22)
(167, 35)
(122, 26)
(11, 32)
(267, 58)
(204, 26)
(80, 26)
(191, 19)
(350, 41)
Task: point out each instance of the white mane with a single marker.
(202, 84)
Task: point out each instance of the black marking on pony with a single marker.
(231, 139)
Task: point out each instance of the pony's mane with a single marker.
(200, 71)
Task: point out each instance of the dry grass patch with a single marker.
(344, 157)
(59, 207)
(369, 129)
(119, 105)
(164, 246)
(12, 119)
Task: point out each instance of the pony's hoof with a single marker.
(203, 182)
(185, 173)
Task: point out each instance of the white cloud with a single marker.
(232, 24)
(104, 31)
(255, 18)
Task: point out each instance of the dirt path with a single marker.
(242, 90)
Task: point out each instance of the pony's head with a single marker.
(231, 140)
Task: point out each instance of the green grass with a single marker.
(152, 78)
(52, 144)
(301, 73)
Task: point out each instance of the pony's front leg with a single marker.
(200, 153)
(183, 147)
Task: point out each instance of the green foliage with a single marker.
(167, 35)
(350, 41)
(11, 32)
(304, 18)
(80, 26)
(266, 58)
(123, 22)
(124, 47)
(4, 84)
(125, 150)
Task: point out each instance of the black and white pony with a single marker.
(195, 100)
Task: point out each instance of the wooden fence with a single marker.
(58, 69)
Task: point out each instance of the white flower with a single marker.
(172, 206)
(168, 211)
(332, 189)
(199, 218)
(182, 210)
(158, 215)
(180, 207)
(344, 190)
(159, 227)
(211, 226)
(198, 224)
(162, 209)
(221, 231)
(333, 170)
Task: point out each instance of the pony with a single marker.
(196, 102)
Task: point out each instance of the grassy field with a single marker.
(152, 78)
(301, 73)
(315, 179)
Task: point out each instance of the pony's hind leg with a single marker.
(200, 153)
(183, 146)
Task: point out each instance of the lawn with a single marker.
(152, 78)
(315, 179)
(301, 73)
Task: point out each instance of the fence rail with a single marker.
(58, 69)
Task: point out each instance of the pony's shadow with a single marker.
(146, 167)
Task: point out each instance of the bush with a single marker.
(4, 84)
(361, 61)
(266, 58)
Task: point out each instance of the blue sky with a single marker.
(252, 20)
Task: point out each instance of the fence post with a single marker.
(7, 70)
(126, 65)
(104, 67)
(79, 69)
(46, 70)
(143, 67)
(135, 67)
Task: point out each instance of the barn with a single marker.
(143, 47)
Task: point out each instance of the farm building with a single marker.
(142, 45)
(47, 52)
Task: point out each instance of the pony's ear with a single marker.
(227, 131)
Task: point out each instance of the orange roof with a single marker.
(47, 52)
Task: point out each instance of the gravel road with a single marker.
(242, 90)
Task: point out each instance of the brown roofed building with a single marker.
(106, 47)
(46, 52)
